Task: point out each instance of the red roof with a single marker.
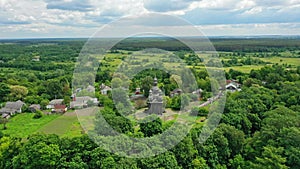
(62, 107)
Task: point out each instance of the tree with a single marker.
(38, 114)
(4, 91)
(147, 82)
(271, 158)
(108, 163)
(166, 160)
(199, 163)
(9, 148)
(48, 156)
(151, 125)
(44, 103)
(4, 122)
(18, 92)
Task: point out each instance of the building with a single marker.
(175, 92)
(232, 86)
(12, 108)
(59, 109)
(138, 91)
(198, 93)
(155, 100)
(82, 102)
(35, 107)
(104, 89)
(52, 103)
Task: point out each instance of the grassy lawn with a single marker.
(66, 125)
(245, 68)
(283, 60)
(23, 125)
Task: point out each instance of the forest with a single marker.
(259, 128)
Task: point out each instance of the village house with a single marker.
(35, 107)
(198, 93)
(11, 108)
(104, 89)
(82, 102)
(54, 102)
(59, 108)
(232, 86)
(175, 92)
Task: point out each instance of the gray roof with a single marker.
(11, 107)
(56, 101)
(35, 106)
(15, 105)
(80, 101)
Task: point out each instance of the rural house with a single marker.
(54, 102)
(82, 102)
(35, 107)
(104, 89)
(11, 108)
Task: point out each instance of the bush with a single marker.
(203, 112)
(38, 114)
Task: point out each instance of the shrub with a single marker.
(38, 114)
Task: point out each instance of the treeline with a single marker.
(221, 44)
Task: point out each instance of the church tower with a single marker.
(155, 100)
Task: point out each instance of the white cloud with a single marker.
(254, 10)
(56, 17)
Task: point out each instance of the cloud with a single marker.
(69, 17)
(73, 5)
(167, 5)
(202, 16)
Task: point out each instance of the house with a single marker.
(82, 102)
(138, 91)
(231, 87)
(104, 89)
(12, 107)
(90, 89)
(54, 102)
(5, 116)
(59, 108)
(198, 93)
(33, 108)
(175, 92)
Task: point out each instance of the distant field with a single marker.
(244, 69)
(283, 60)
(24, 124)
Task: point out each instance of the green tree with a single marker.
(147, 82)
(151, 125)
(271, 158)
(48, 156)
(18, 92)
(4, 91)
(108, 163)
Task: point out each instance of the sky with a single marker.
(82, 18)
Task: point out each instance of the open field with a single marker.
(23, 125)
(65, 125)
(283, 60)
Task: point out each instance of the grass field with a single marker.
(24, 124)
(283, 60)
(66, 125)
